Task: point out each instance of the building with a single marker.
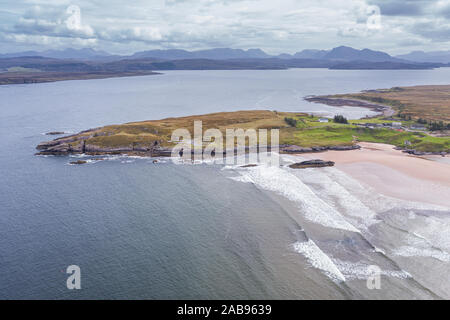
(323, 120)
(396, 124)
(418, 127)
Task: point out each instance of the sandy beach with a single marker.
(394, 173)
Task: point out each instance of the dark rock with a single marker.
(249, 166)
(79, 162)
(59, 148)
(344, 148)
(422, 153)
(161, 152)
(317, 163)
(55, 133)
(297, 149)
(46, 145)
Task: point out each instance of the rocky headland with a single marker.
(153, 138)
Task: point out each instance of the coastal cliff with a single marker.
(83, 142)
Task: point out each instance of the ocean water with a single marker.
(140, 230)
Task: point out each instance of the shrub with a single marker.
(340, 119)
(435, 126)
(290, 121)
(422, 121)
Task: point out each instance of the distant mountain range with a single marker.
(421, 56)
(213, 54)
(341, 53)
(76, 54)
(90, 60)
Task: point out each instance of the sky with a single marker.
(123, 27)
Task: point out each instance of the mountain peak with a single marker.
(431, 57)
(349, 53)
(213, 54)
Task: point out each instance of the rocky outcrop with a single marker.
(297, 149)
(62, 146)
(161, 152)
(422, 153)
(79, 162)
(79, 143)
(317, 163)
(55, 133)
(98, 142)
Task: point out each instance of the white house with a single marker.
(418, 127)
(324, 120)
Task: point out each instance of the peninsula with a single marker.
(413, 119)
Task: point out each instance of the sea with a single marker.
(143, 230)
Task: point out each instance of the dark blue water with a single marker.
(144, 230)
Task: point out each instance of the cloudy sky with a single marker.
(395, 26)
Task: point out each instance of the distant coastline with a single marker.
(49, 66)
(8, 78)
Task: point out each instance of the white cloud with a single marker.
(275, 26)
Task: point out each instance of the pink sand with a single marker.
(394, 173)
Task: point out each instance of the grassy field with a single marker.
(309, 132)
(431, 103)
(301, 130)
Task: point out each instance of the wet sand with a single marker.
(394, 173)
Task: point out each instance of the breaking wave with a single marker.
(362, 220)
(284, 183)
(318, 259)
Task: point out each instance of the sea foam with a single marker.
(318, 259)
(283, 182)
(362, 271)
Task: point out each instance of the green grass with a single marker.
(347, 135)
(322, 136)
(311, 133)
(308, 132)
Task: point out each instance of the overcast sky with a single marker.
(395, 26)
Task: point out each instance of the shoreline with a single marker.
(384, 110)
(11, 78)
(394, 173)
